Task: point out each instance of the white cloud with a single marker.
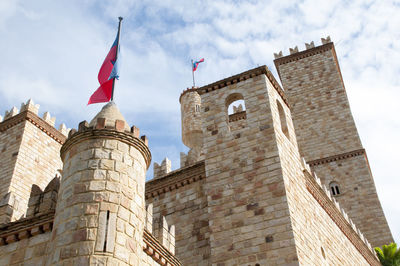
(52, 50)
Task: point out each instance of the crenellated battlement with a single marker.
(160, 229)
(29, 111)
(192, 89)
(329, 204)
(163, 169)
(164, 234)
(102, 127)
(295, 54)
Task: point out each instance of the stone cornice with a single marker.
(35, 120)
(25, 228)
(127, 138)
(262, 70)
(302, 54)
(158, 252)
(175, 180)
(336, 157)
(338, 218)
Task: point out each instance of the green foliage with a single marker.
(389, 255)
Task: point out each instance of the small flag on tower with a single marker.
(108, 73)
(196, 64)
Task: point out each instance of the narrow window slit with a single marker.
(105, 240)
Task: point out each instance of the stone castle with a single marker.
(281, 180)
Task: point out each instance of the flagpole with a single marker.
(116, 55)
(193, 74)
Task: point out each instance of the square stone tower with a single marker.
(264, 207)
(29, 155)
(328, 137)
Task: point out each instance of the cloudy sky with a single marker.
(52, 51)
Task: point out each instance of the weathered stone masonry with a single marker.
(255, 187)
(327, 135)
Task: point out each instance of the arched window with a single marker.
(235, 104)
(282, 118)
(236, 111)
(334, 187)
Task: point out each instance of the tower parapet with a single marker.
(163, 169)
(295, 50)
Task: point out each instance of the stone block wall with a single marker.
(179, 197)
(41, 202)
(248, 211)
(10, 141)
(38, 162)
(357, 186)
(29, 147)
(320, 108)
(29, 251)
(318, 238)
(328, 137)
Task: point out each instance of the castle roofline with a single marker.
(35, 120)
(175, 179)
(327, 45)
(262, 70)
(303, 54)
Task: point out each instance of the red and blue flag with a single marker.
(196, 64)
(108, 72)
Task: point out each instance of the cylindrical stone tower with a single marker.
(100, 214)
(192, 134)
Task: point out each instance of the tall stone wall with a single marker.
(318, 238)
(180, 197)
(357, 186)
(248, 211)
(10, 141)
(327, 135)
(320, 109)
(38, 163)
(30, 148)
